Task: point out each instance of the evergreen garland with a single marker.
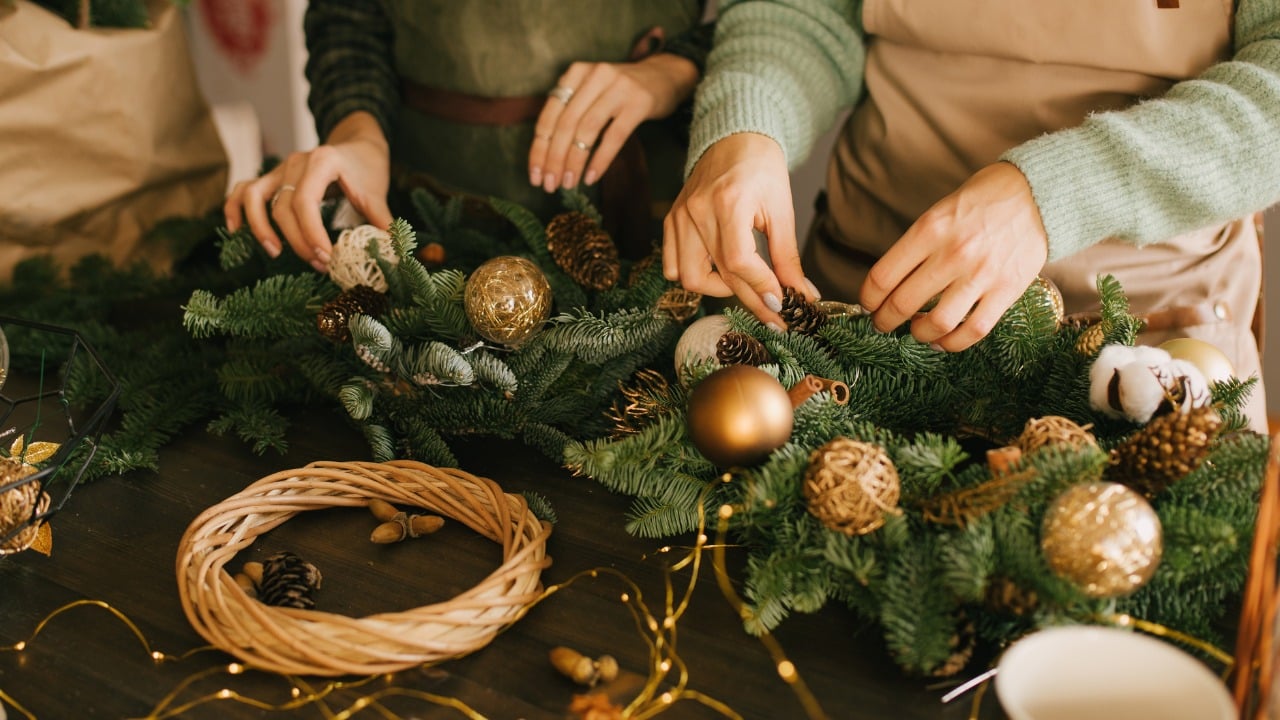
(927, 584)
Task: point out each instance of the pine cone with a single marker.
(800, 315)
(1091, 340)
(1005, 597)
(583, 250)
(738, 348)
(288, 581)
(962, 644)
(1166, 450)
(333, 319)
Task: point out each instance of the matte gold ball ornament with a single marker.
(1104, 537)
(507, 299)
(1208, 359)
(739, 414)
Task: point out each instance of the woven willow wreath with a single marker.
(311, 642)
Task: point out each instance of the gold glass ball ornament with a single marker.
(1104, 537)
(507, 299)
(1048, 293)
(739, 414)
(1208, 359)
(698, 342)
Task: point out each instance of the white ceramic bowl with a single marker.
(1100, 673)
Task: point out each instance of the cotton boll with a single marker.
(1140, 391)
(1110, 360)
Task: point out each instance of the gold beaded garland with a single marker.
(507, 299)
(851, 485)
(739, 414)
(1103, 537)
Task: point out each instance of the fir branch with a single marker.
(236, 248)
(566, 292)
(490, 370)
(259, 425)
(540, 506)
(574, 199)
(277, 306)
(435, 363)
(595, 339)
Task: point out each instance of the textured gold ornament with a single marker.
(1208, 359)
(739, 414)
(1103, 537)
(1051, 296)
(850, 486)
(1054, 431)
(507, 299)
(18, 505)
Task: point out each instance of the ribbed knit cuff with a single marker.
(1080, 196)
(731, 105)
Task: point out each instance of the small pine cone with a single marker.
(368, 301)
(800, 315)
(1164, 451)
(334, 317)
(288, 581)
(962, 645)
(583, 250)
(738, 348)
(1091, 340)
(1005, 597)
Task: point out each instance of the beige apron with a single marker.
(952, 85)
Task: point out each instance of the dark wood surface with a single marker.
(116, 541)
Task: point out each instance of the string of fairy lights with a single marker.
(666, 682)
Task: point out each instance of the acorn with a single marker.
(393, 531)
(582, 669)
(397, 525)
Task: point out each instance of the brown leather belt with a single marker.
(470, 109)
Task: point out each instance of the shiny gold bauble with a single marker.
(698, 342)
(1104, 537)
(739, 414)
(1209, 360)
(1051, 296)
(507, 299)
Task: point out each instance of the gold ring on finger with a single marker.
(581, 145)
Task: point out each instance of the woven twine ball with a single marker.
(1054, 431)
(311, 642)
(850, 485)
(18, 505)
(351, 263)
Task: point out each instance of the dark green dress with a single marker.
(359, 52)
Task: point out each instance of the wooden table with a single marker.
(115, 541)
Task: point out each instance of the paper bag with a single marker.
(103, 132)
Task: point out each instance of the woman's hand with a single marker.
(594, 109)
(740, 184)
(355, 157)
(977, 250)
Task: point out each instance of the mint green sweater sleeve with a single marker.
(783, 69)
(1205, 152)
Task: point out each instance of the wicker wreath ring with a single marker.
(311, 642)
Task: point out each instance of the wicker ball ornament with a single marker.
(294, 641)
(353, 261)
(850, 486)
(1103, 537)
(1054, 431)
(507, 299)
(739, 414)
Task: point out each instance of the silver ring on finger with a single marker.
(561, 93)
(275, 197)
(584, 147)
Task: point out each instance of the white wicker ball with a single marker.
(351, 262)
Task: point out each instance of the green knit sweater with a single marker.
(1206, 152)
